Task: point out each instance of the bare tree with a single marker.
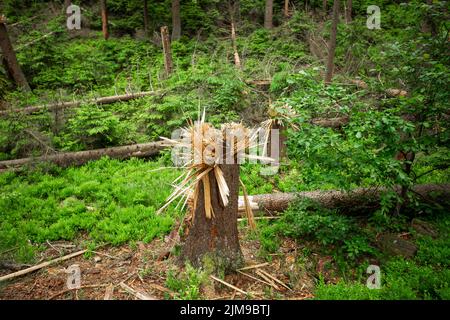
(176, 20)
(348, 11)
(268, 16)
(104, 10)
(10, 59)
(146, 22)
(168, 64)
(332, 43)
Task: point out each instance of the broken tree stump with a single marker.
(216, 239)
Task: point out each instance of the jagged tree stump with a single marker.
(216, 239)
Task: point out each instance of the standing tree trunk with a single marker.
(216, 240)
(348, 11)
(268, 16)
(332, 43)
(286, 8)
(104, 10)
(237, 59)
(168, 64)
(176, 20)
(325, 7)
(10, 59)
(146, 23)
(428, 25)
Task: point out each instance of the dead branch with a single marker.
(40, 266)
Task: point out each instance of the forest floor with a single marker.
(141, 268)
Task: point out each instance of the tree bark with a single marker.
(10, 59)
(428, 25)
(216, 240)
(176, 20)
(268, 15)
(286, 8)
(237, 59)
(168, 64)
(332, 43)
(358, 201)
(104, 10)
(282, 139)
(325, 7)
(146, 21)
(348, 11)
(75, 104)
(66, 159)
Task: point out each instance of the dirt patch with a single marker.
(139, 268)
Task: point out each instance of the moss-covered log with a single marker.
(358, 201)
(75, 104)
(66, 159)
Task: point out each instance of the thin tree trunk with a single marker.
(286, 8)
(146, 21)
(428, 25)
(332, 43)
(66, 159)
(104, 10)
(10, 59)
(282, 151)
(237, 59)
(348, 11)
(325, 7)
(176, 20)
(268, 16)
(216, 240)
(168, 64)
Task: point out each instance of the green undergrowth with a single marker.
(109, 201)
(351, 244)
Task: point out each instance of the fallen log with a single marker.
(66, 159)
(392, 92)
(331, 122)
(75, 104)
(360, 200)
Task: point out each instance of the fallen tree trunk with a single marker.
(75, 104)
(66, 159)
(331, 122)
(360, 200)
